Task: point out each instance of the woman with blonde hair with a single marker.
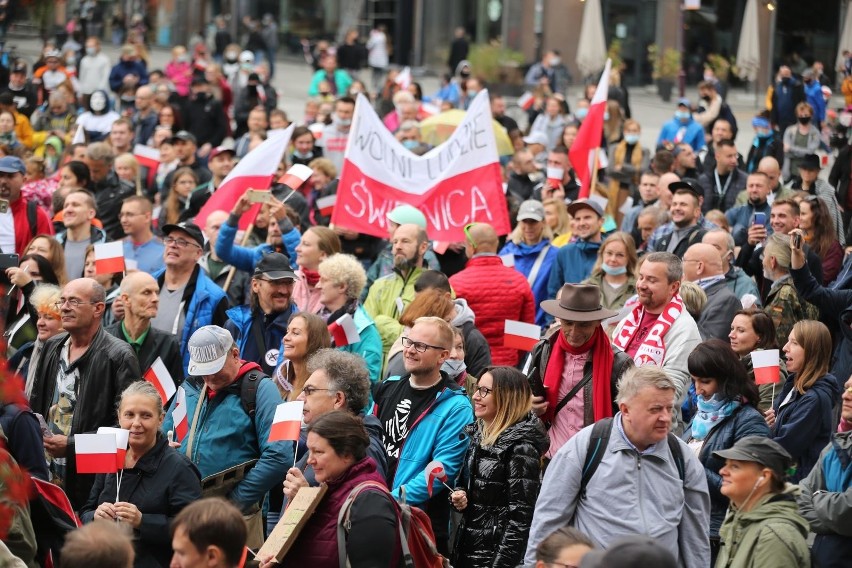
(501, 479)
(127, 168)
(48, 323)
(615, 270)
(316, 244)
(801, 418)
(556, 217)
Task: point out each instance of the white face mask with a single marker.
(453, 367)
(97, 102)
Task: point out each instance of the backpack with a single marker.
(248, 391)
(597, 448)
(415, 530)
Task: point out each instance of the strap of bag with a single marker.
(344, 524)
(537, 265)
(595, 452)
(194, 427)
(32, 217)
(572, 393)
(256, 323)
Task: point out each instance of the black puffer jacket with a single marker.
(502, 484)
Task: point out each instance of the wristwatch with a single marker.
(818, 492)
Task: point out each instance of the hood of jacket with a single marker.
(464, 314)
(777, 506)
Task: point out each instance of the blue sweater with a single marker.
(245, 258)
(525, 257)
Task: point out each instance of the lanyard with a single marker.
(721, 191)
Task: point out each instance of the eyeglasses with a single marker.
(309, 390)
(73, 302)
(419, 346)
(483, 391)
(179, 243)
(125, 215)
(278, 282)
(468, 236)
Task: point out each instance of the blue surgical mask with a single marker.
(631, 138)
(472, 93)
(453, 367)
(343, 121)
(614, 270)
(303, 155)
(682, 115)
(764, 133)
(581, 113)
(606, 116)
(410, 144)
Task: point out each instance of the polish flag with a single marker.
(554, 176)
(316, 129)
(121, 438)
(160, 377)
(96, 453)
(147, 156)
(179, 415)
(520, 335)
(109, 257)
(326, 204)
(404, 78)
(526, 101)
(287, 422)
(79, 135)
(343, 331)
(434, 470)
(767, 367)
(584, 151)
(255, 170)
(296, 176)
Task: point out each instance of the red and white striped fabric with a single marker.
(296, 176)
(96, 453)
(109, 257)
(520, 335)
(179, 416)
(159, 376)
(584, 151)
(526, 101)
(344, 331)
(122, 437)
(287, 422)
(767, 366)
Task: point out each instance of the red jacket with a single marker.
(495, 293)
(23, 232)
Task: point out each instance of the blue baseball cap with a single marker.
(12, 165)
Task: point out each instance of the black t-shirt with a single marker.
(400, 405)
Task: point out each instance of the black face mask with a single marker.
(804, 119)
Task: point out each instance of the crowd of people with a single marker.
(639, 427)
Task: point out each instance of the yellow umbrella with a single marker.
(437, 129)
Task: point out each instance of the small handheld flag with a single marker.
(121, 438)
(179, 416)
(96, 453)
(767, 366)
(344, 331)
(435, 471)
(109, 257)
(520, 335)
(287, 422)
(159, 376)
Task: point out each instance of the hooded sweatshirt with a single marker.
(477, 354)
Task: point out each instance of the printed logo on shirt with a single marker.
(271, 357)
(396, 428)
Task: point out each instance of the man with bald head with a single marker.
(485, 283)
(702, 264)
(140, 295)
(770, 167)
(79, 379)
(736, 279)
(665, 194)
(145, 117)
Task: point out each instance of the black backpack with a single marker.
(597, 448)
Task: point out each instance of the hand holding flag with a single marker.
(435, 471)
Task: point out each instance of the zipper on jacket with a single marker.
(641, 505)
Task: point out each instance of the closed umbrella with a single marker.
(748, 51)
(591, 51)
(845, 38)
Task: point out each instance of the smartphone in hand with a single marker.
(797, 240)
(45, 431)
(759, 219)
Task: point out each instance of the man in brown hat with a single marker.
(577, 363)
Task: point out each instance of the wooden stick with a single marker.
(233, 269)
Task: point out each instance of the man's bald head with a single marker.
(483, 238)
(665, 193)
(136, 280)
(701, 260)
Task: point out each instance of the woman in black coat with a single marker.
(501, 476)
(156, 483)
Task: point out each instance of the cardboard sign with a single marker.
(298, 511)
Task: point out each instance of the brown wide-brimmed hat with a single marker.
(579, 302)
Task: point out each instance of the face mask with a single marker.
(453, 368)
(410, 144)
(555, 61)
(606, 116)
(581, 113)
(471, 93)
(631, 138)
(303, 155)
(344, 121)
(70, 62)
(201, 96)
(764, 133)
(682, 115)
(614, 270)
(246, 66)
(708, 78)
(804, 119)
(91, 51)
(182, 58)
(97, 102)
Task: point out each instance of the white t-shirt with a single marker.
(7, 232)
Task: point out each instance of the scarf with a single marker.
(653, 348)
(312, 276)
(602, 359)
(710, 413)
(350, 307)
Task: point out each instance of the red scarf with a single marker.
(312, 276)
(602, 359)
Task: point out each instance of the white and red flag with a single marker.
(326, 204)
(296, 176)
(147, 156)
(344, 331)
(255, 170)
(79, 135)
(179, 416)
(122, 436)
(526, 101)
(403, 79)
(159, 376)
(767, 366)
(455, 183)
(521, 335)
(96, 453)
(109, 257)
(584, 151)
(287, 422)
(434, 471)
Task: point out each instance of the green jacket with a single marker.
(785, 307)
(624, 293)
(387, 299)
(773, 533)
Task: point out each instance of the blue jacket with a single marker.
(745, 421)
(525, 256)
(739, 218)
(694, 135)
(201, 308)
(226, 436)
(239, 324)
(123, 68)
(437, 435)
(245, 258)
(574, 264)
(813, 94)
(370, 346)
(804, 425)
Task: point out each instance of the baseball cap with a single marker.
(408, 215)
(536, 138)
(12, 165)
(208, 348)
(531, 209)
(221, 150)
(684, 102)
(636, 551)
(761, 450)
(585, 204)
(275, 266)
(685, 185)
(190, 229)
(184, 135)
(246, 57)
(52, 53)
(19, 66)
